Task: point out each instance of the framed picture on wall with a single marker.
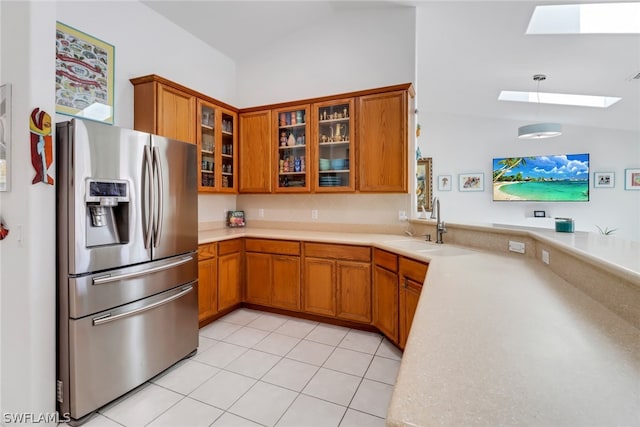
(632, 179)
(423, 184)
(444, 182)
(603, 180)
(5, 137)
(84, 75)
(471, 182)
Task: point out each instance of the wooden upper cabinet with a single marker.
(255, 152)
(292, 160)
(217, 148)
(333, 146)
(163, 109)
(383, 141)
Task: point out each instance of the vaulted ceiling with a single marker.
(479, 48)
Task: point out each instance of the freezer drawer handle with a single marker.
(108, 318)
(101, 280)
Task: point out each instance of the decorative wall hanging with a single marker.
(4, 231)
(603, 180)
(632, 179)
(84, 75)
(5, 137)
(41, 145)
(444, 182)
(424, 187)
(471, 181)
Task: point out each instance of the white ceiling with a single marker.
(478, 48)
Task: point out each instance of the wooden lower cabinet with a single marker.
(353, 300)
(272, 273)
(229, 273)
(286, 282)
(411, 275)
(318, 289)
(337, 281)
(385, 302)
(409, 295)
(207, 281)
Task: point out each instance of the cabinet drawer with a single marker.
(207, 250)
(229, 246)
(386, 260)
(414, 270)
(282, 247)
(342, 252)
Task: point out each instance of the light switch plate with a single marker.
(516, 246)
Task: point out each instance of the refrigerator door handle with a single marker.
(158, 174)
(101, 280)
(108, 318)
(148, 208)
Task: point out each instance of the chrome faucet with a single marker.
(440, 227)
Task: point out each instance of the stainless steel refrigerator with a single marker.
(127, 262)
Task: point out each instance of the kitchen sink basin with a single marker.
(427, 248)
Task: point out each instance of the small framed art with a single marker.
(444, 182)
(632, 179)
(471, 181)
(603, 180)
(84, 75)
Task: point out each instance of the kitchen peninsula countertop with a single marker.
(498, 339)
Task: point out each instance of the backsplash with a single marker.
(331, 208)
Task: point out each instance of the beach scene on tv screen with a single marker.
(542, 178)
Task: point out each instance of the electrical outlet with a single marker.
(545, 256)
(261, 213)
(402, 215)
(516, 246)
(314, 214)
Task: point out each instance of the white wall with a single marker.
(468, 143)
(358, 49)
(27, 273)
(463, 144)
(145, 43)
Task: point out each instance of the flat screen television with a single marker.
(557, 178)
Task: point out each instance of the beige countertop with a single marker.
(498, 339)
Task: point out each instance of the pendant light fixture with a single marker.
(539, 130)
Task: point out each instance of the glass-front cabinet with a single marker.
(292, 153)
(333, 141)
(216, 148)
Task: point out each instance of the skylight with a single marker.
(597, 18)
(559, 98)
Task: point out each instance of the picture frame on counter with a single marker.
(603, 179)
(444, 182)
(468, 182)
(84, 75)
(632, 179)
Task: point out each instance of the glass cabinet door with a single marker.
(228, 163)
(292, 155)
(206, 146)
(333, 146)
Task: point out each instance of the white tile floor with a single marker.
(261, 369)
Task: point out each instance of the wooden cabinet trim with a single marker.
(207, 250)
(403, 86)
(384, 259)
(338, 251)
(155, 78)
(414, 270)
(229, 246)
(282, 247)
